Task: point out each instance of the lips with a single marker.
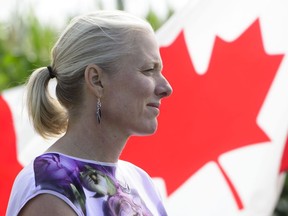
(155, 105)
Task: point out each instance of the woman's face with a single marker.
(132, 100)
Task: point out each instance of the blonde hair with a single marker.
(99, 38)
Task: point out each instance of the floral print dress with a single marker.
(89, 187)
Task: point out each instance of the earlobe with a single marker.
(93, 75)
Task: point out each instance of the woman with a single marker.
(109, 87)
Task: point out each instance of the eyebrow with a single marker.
(158, 64)
(155, 62)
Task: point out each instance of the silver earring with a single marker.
(98, 111)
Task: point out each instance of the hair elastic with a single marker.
(51, 73)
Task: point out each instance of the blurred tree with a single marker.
(154, 19)
(282, 205)
(120, 4)
(24, 46)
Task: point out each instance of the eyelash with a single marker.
(150, 71)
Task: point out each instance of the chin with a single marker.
(146, 132)
(150, 133)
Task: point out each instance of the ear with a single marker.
(93, 75)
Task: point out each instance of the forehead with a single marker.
(145, 47)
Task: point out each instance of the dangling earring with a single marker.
(98, 111)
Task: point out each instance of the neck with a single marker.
(93, 143)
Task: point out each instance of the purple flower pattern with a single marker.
(69, 177)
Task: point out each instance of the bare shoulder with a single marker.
(46, 204)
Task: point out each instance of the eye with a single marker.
(149, 71)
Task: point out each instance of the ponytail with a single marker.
(49, 118)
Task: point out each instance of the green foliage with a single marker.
(154, 19)
(282, 206)
(24, 46)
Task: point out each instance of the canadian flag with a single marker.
(220, 145)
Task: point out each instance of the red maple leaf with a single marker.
(9, 166)
(207, 115)
(284, 160)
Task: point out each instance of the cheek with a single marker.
(133, 99)
(136, 89)
(143, 88)
(131, 93)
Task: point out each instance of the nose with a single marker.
(163, 89)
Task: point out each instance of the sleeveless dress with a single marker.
(88, 187)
